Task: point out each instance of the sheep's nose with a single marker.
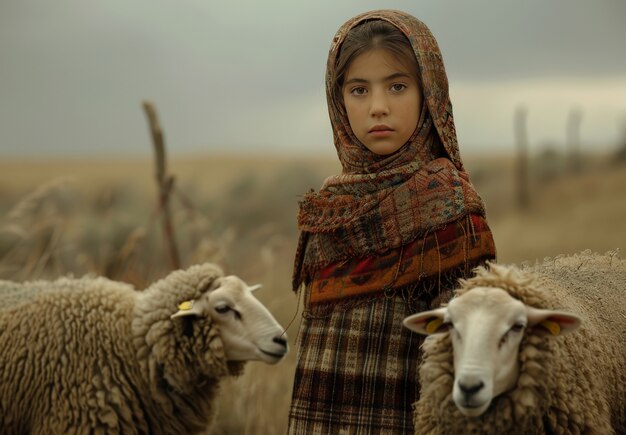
(469, 390)
(280, 340)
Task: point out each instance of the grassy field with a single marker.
(100, 216)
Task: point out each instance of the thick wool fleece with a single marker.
(573, 384)
(95, 356)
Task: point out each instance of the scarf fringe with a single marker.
(432, 291)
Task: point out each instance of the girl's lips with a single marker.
(379, 127)
(380, 131)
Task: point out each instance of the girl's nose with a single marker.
(378, 104)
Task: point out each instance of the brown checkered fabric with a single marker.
(357, 371)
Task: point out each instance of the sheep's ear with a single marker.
(427, 322)
(550, 322)
(188, 308)
(255, 287)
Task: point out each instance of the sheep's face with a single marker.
(247, 329)
(486, 326)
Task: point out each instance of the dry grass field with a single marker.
(100, 216)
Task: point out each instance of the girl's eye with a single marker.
(358, 91)
(398, 87)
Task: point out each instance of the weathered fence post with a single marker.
(521, 141)
(573, 139)
(165, 182)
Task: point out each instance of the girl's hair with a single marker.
(369, 36)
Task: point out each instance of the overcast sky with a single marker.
(248, 75)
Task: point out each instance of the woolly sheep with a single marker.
(92, 355)
(516, 367)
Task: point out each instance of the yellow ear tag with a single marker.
(553, 327)
(433, 325)
(185, 306)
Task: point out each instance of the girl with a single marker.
(386, 238)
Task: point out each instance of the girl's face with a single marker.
(383, 101)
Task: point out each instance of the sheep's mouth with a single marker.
(472, 409)
(272, 354)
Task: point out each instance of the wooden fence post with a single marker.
(165, 182)
(573, 139)
(521, 141)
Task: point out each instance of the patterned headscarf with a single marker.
(382, 202)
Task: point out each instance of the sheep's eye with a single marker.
(449, 326)
(222, 309)
(518, 327)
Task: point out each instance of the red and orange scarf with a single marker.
(384, 202)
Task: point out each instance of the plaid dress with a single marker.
(357, 371)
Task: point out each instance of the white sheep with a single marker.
(92, 355)
(507, 355)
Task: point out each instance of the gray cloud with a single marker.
(249, 74)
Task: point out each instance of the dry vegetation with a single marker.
(100, 216)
